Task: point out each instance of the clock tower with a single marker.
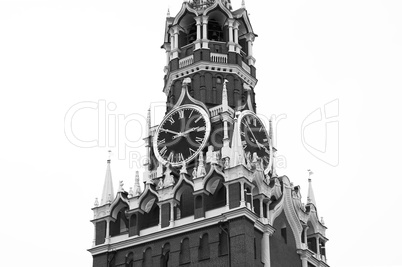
(211, 194)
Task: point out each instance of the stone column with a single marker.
(304, 261)
(318, 247)
(231, 43)
(174, 41)
(94, 241)
(198, 42)
(171, 223)
(227, 196)
(107, 237)
(205, 32)
(265, 249)
(242, 201)
(250, 39)
(261, 208)
(236, 25)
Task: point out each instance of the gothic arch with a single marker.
(218, 6)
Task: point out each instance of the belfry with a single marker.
(211, 193)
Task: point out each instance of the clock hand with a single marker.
(169, 131)
(190, 130)
(258, 144)
(185, 132)
(256, 141)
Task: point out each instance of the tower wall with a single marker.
(283, 246)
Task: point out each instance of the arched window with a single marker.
(223, 242)
(147, 258)
(120, 226)
(185, 251)
(203, 249)
(129, 260)
(215, 31)
(198, 202)
(165, 255)
(284, 234)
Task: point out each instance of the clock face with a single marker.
(254, 136)
(181, 135)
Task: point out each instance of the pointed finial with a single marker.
(96, 204)
(137, 189)
(183, 169)
(109, 156)
(225, 102)
(322, 221)
(310, 172)
(201, 169)
(108, 184)
(243, 4)
(121, 184)
(310, 195)
(168, 13)
(148, 133)
(169, 180)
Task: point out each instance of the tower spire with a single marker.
(108, 192)
(270, 170)
(236, 153)
(310, 195)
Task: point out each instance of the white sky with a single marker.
(55, 54)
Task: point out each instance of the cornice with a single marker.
(195, 225)
(209, 67)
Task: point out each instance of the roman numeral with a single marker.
(170, 157)
(181, 114)
(199, 140)
(180, 157)
(192, 151)
(163, 151)
(191, 113)
(199, 118)
(243, 134)
(255, 122)
(201, 129)
(161, 142)
(260, 129)
(171, 120)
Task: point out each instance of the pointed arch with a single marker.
(184, 251)
(147, 257)
(183, 192)
(214, 185)
(119, 203)
(218, 5)
(203, 248)
(185, 8)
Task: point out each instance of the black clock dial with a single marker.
(254, 136)
(181, 135)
